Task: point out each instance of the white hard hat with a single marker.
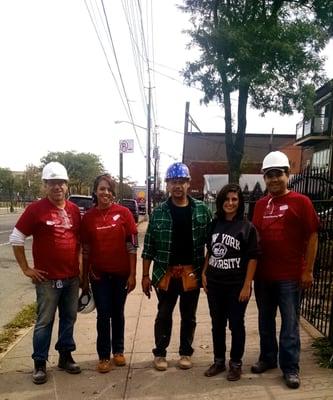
(54, 170)
(86, 303)
(275, 160)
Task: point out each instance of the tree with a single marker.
(82, 168)
(31, 183)
(7, 186)
(268, 51)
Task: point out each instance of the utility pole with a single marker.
(187, 113)
(271, 141)
(156, 157)
(148, 177)
(121, 187)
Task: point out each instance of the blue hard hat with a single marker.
(177, 170)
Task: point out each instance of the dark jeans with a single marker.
(167, 300)
(286, 296)
(224, 306)
(110, 296)
(49, 298)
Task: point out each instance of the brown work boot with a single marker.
(119, 360)
(215, 369)
(160, 363)
(104, 366)
(235, 371)
(185, 362)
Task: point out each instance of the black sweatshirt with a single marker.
(230, 244)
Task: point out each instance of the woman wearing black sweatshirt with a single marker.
(227, 276)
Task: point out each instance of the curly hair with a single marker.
(222, 196)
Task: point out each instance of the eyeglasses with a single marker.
(274, 173)
(55, 182)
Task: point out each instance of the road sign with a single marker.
(126, 146)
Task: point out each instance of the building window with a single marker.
(321, 158)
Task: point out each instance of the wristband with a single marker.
(145, 275)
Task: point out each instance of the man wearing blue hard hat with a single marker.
(175, 241)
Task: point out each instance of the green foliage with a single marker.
(268, 51)
(82, 168)
(30, 183)
(324, 351)
(7, 184)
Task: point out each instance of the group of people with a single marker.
(189, 249)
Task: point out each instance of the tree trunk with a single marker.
(235, 143)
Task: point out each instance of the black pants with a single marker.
(223, 306)
(167, 300)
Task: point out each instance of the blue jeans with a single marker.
(110, 296)
(49, 298)
(286, 296)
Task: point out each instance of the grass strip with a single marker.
(24, 319)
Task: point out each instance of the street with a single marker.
(16, 290)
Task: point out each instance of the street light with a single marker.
(130, 123)
(148, 173)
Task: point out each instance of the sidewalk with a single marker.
(138, 380)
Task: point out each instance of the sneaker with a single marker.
(262, 366)
(119, 360)
(39, 375)
(235, 371)
(215, 369)
(104, 366)
(292, 380)
(160, 363)
(67, 363)
(185, 362)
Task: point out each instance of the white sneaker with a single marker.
(185, 362)
(160, 363)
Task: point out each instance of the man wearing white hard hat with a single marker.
(54, 224)
(287, 224)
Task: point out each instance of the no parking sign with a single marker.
(126, 146)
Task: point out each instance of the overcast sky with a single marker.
(57, 92)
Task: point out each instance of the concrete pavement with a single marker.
(138, 380)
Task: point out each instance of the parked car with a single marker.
(83, 202)
(132, 205)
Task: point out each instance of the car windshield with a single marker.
(83, 202)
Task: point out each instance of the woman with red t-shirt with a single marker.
(109, 241)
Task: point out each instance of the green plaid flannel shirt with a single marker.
(157, 241)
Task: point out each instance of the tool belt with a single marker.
(184, 272)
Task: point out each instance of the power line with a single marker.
(121, 78)
(138, 57)
(105, 54)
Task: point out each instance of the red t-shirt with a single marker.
(106, 233)
(55, 232)
(285, 224)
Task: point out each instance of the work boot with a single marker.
(292, 380)
(67, 363)
(215, 369)
(262, 366)
(104, 366)
(119, 359)
(185, 362)
(235, 371)
(39, 375)
(160, 363)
